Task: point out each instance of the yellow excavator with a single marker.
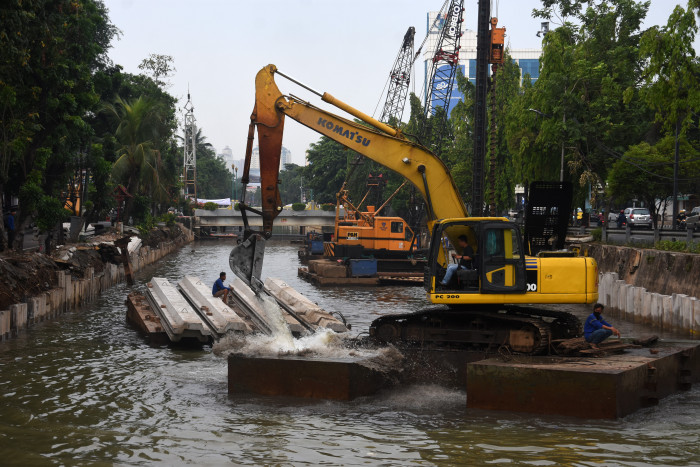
(484, 305)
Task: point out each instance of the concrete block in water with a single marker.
(302, 306)
(629, 302)
(656, 308)
(621, 384)
(18, 317)
(318, 378)
(685, 319)
(695, 329)
(639, 294)
(36, 309)
(176, 315)
(672, 319)
(5, 324)
(622, 297)
(220, 317)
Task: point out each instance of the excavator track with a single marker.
(523, 330)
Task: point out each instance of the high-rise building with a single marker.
(285, 158)
(226, 155)
(527, 59)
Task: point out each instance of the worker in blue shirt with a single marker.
(11, 229)
(596, 329)
(219, 289)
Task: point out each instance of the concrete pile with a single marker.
(677, 312)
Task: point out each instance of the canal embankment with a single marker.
(35, 287)
(654, 287)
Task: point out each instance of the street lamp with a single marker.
(235, 179)
(542, 114)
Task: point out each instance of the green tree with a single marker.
(138, 165)
(506, 89)
(290, 183)
(158, 66)
(327, 168)
(214, 178)
(645, 172)
(50, 51)
(672, 72)
(587, 89)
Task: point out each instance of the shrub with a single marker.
(597, 234)
(328, 207)
(146, 225)
(298, 206)
(211, 206)
(168, 218)
(237, 206)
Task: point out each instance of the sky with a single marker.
(346, 48)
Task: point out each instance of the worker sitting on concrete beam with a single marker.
(219, 289)
(596, 329)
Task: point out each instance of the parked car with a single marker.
(638, 218)
(692, 220)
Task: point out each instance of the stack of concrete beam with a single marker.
(179, 319)
(302, 306)
(677, 311)
(219, 316)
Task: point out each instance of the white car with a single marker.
(638, 218)
(692, 221)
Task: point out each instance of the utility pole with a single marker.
(675, 180)
(190, 152)
(483, 45)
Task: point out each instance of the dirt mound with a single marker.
(25, 275)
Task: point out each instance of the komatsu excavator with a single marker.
(484, 306)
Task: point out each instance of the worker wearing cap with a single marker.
(596, 329)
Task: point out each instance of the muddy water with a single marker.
(86, 389)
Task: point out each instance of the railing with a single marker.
(642, 236)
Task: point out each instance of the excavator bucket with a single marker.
(246, 260)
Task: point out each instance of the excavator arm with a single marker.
(371, 138)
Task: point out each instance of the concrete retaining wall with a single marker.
(678, 312)
(72, 292)
(663, 272)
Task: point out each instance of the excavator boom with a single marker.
(371, 138)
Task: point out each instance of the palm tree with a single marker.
(138, 165)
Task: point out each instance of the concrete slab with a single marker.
(318, 378)
(261, 313)
(302, 306)
(219, 316)
(177, 316)
(609, 387)
(140, 314)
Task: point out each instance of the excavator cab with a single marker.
(498, 262)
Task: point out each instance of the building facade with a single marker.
(527, 59)
(285, 158)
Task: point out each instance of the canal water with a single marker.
(85, 388)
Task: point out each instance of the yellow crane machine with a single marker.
(483, 306)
